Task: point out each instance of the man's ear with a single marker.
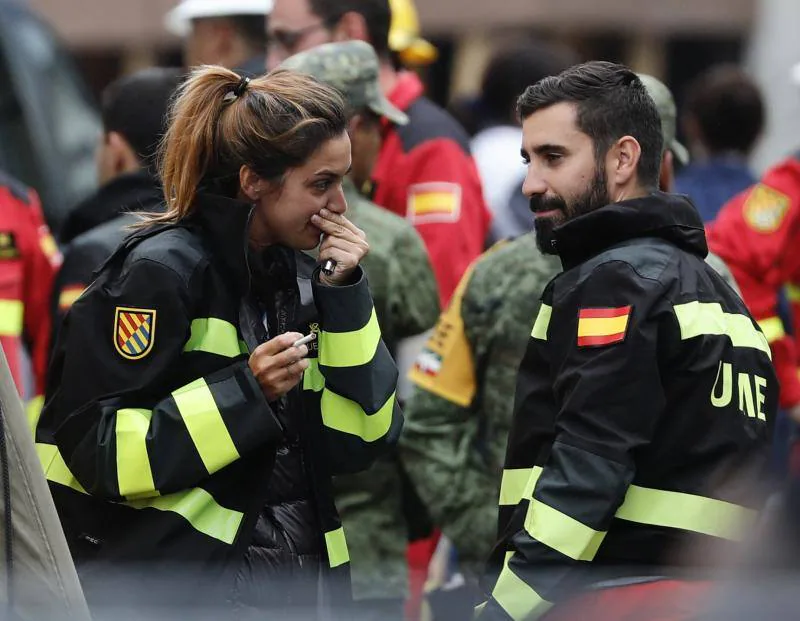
(121, 155)
(351, 26)
(622, 162)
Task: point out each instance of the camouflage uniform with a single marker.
(454, 438)
(457, 421)
(406, 302)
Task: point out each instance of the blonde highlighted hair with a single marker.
(217, 124)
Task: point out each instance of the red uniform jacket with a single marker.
(757, 233)
(28, 262)
(425, 173)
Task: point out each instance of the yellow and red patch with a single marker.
(134, 332)
(602, 326)
(765, 208)
(68, 295)
(434, 202)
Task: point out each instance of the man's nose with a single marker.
(534, 184)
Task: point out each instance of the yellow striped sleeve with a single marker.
(350, 349)
(204, 422)
(134, 474)
(344, 415)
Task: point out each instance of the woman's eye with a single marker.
(322, 185)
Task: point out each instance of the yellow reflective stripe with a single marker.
(602, 326)
(243, 348)
(350, 349)
(698, 514)
(312, 377)
(772, 327)
(11, 317)
(792, 292)
(215, 336)
(55, 468)
(134, 476)
(196, 506)
(33, 410)
(199, 508)
(518, 483)
(561, 532)
(347, 416)
(708, 318)
(336, 545)
(516, 596)
(542, 322)
(204, 422)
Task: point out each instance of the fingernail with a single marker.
(325, 213)
(315, 218)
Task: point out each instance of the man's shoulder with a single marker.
(16, 188)
(515, 263)
(384, 229)
(427, 122)
(647, 259)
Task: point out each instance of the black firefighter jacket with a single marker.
(163, 455)
(642, 412)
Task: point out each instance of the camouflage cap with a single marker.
(665, 104)
(351, 67)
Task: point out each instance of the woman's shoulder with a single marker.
(175, 249)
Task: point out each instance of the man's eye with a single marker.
(525, 161)
(551, 158)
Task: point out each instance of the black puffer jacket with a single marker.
(159, 445)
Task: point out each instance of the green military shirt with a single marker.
(407, 304)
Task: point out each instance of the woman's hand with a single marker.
(344, 243)
(277, 366)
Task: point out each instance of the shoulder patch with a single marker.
(602, 326)
(445, 366)
(765, 209)
(8, 246)
(434, 202)
(134, 331)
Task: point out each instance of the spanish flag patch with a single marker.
(602, 326)
(434, 202)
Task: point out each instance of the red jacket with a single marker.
(757, 234)
(425, 173)
(28, 263)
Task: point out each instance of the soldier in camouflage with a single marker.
(407, 304)
(457, 420)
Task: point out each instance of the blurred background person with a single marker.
(723, 119)
(424, 171)
(230, 33)
(29, 260)
(496, 146)
(407, 304)
(134, 114)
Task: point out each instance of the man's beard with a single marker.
(594, 197)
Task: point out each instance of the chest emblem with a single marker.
(134, 332)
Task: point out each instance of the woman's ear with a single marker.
(252, 186)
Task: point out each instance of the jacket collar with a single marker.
(224, 223)
(670, 217)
